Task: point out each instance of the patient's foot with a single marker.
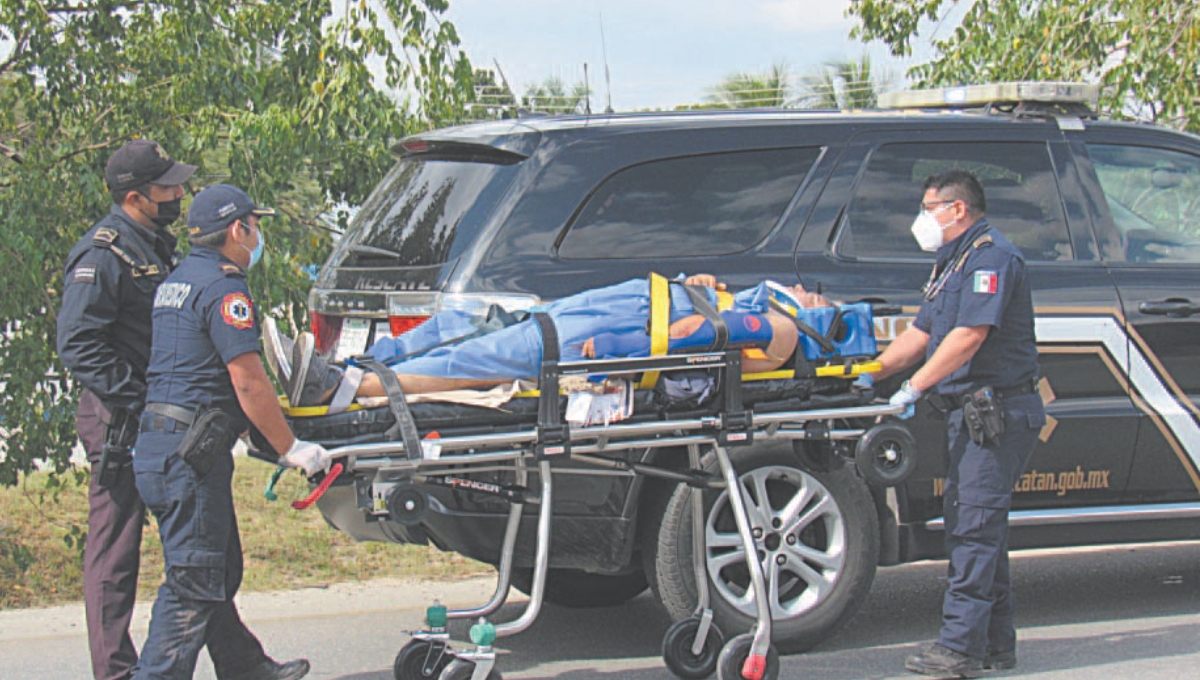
(278, 350)
(313, 381)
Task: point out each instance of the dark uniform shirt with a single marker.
(104, 323)
(987, 288)
(203, 319)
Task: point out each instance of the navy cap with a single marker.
(142, 162)
(218, 206)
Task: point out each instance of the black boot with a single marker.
(944, 663)
(997, 660)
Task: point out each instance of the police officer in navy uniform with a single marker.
(104, 339)
(975, 332)
(207, 385)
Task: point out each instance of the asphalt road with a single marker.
(1128, 612)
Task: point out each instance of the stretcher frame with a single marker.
(552, 440)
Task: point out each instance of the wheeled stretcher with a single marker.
(390, 458)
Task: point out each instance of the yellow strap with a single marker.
(309, 411)
(836, 371)
(839, 371)
(660, 324)
(724, 301)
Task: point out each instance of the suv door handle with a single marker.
(1174, 307)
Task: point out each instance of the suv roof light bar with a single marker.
(969, 96)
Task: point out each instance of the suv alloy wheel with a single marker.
(819, 546)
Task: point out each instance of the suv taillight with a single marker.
(327, 330)
(400, 325)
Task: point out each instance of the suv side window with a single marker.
(713, 204)
(1154, 197)
(1018, 182)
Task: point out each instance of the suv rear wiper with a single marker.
(372, 250)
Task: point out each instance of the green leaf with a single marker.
(240, 89)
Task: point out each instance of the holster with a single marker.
(211, 434)
(119, 437)
(983, 417)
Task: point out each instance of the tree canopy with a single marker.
(294, 101)
(1145, 53)
(843, 84)
(752, 90)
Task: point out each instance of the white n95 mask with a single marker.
(928, 232)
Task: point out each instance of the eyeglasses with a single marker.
(928, 206)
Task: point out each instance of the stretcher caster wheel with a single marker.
(732, 664)
(677, 649)
(461, 669)
(406, 504)
(886, 455)
(422, 660)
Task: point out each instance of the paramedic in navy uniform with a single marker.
(104, 339)
(974, 330)
(205, 354)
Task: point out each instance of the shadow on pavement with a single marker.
(1059, 594)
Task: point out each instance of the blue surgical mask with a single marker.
(256, 254)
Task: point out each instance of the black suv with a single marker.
(515, 212)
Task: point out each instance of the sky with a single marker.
(661, 53)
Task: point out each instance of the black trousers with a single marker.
(111, 554)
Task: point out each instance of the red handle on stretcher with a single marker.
(755, 667)
(321, 488)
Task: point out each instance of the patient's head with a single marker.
(797, 296)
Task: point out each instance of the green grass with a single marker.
(284, 548)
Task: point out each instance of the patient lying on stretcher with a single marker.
(608, 322)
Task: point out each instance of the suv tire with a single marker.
(579, 589)
(845, 529)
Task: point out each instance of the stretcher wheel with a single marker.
(421, 660)
(677, 649)
(733, 660)
(406, 504)
(886, 455)
(461, 669)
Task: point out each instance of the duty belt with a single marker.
(953, 402)
(160, 417)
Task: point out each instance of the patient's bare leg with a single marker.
(784, 337)
(420, 384)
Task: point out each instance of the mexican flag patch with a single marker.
(985, 282)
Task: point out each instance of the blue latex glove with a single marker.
(906, 396)
(865, 381)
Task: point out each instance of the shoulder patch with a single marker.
(985, 281)
(105, 236)
(84, 274)
(237, 310)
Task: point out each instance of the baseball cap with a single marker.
(218, 206)
(143, 161)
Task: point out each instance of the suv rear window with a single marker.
(426, 211)
(713, 204)
(1018, 183)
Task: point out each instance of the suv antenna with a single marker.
(607, 83)
(587, 92)
(504, 80)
